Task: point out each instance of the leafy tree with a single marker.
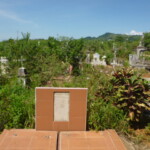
(75, 54)
(147, 40)
(119, 38)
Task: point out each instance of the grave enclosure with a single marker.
(60, 125)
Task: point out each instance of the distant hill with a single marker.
(112, 36)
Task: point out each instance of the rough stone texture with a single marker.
(61, 106)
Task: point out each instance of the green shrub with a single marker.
(16, 106)
(129, 93)
(104, 115)
(4, 114)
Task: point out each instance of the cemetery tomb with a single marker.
(60, 125)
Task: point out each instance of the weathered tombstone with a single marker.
(61, 109)
(22, 75)
(3, 65)
(96, 59)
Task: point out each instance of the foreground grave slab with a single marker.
(28, 139)
(61, 109)
(90, 140)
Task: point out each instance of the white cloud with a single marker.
(133, 32)
(12, 16)
(15, 17)
(9, 4)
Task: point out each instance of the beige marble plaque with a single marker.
(61, 106)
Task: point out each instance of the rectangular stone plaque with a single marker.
(61, 106)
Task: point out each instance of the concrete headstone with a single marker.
(61, 109)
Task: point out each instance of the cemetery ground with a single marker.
(138, 140)
(17, 111)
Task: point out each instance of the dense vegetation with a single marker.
(116, 98)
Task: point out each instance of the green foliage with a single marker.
(16, 106)
(4, 79)
(40, 74)
(104, 115)
(75, 54)
(146, 56)
(126, 64)
(129, 93)
(147, 40)
(119, 38)
(26, 36)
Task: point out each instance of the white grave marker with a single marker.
(61, 106)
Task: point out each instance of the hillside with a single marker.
(112, 36)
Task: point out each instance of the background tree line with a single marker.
(40, 54)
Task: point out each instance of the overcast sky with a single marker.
(73, 18)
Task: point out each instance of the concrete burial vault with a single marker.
(60, 125)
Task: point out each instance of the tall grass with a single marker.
(16, 106)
